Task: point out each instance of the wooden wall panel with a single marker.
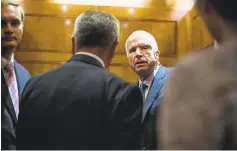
(184, 35)
(47, 35)
(192, 34)
(163, 31)
(38, 68)
(44, 57)
(44, 7)
(200, 35)
(124, 72)
(46, 43)
(40, 62)
(52, 34)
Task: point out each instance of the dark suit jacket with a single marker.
(151, 105)
(79, 105)
(8, 117)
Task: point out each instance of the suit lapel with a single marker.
(154, 90)
(19, 78)
(10, 108)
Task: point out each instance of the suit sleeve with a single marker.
(185, 121)
(125, 118)
(22, 130)
(25, 93)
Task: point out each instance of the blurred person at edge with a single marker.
(200, 100)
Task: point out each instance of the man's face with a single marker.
(11, 27)
(142, 59)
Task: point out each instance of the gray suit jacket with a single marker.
(8, 117)
(200, 102)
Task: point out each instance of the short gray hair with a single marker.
(96, 29)
(17, 5)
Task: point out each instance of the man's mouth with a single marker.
(140, 62)
(9, 38)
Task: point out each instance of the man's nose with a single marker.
(138, 52)
(8, 29)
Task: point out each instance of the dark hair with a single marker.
(96, 29)
(225, 8)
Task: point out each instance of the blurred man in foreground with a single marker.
(200, 102)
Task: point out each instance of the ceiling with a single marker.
(160, 4)
(172, 4)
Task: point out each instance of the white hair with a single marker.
(143, 36)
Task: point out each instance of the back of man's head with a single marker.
(227, 9)
(220, 18)
(96, 29)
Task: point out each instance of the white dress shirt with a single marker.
(14, 74)
(148, 81)
(14, 86)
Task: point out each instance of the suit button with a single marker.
(143, 147)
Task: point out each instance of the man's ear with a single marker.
(115, 44)
(73, 46)
(157, 54)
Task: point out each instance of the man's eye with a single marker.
(145, 47)
(132, 50)
(15, 23)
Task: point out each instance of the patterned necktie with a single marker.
(143, 88)
(9, 72)
(12, 86)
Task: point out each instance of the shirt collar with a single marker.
(4, 61)
(12, 58)
(91, 55)
(216, 45)
(149, 79)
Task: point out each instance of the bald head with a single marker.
(143, 37)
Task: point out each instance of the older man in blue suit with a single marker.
(14, 76)
(143, 56)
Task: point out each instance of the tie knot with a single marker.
(143, 86)
(9, 66)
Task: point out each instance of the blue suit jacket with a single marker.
(9, 119)
(151, 105)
